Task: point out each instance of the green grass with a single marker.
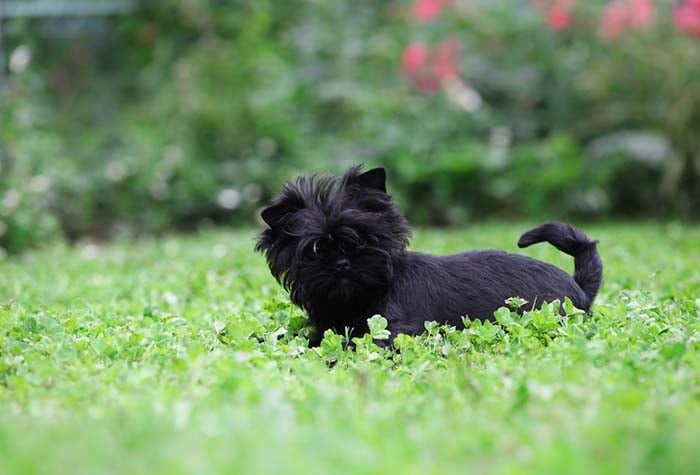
(137, 358)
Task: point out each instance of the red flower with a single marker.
(687, 18)
(557, 12)
(426, 69)
(425, 11)
(415, 66)
(641, 13)
(444, 63)
(558, 19)
(614, 20)
(415, 56)
(621, 15)
(426, 84)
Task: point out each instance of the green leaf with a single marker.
(503, 316)
(516, 302)
(570, 309)
(377, 327)
(676, 350)
(522, 396)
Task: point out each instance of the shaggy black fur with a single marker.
(338, 245)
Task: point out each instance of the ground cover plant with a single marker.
(141, 358)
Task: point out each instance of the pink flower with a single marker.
(621, 15)
(641, 13)
(425, 11)
(614, 20)
(428, 68)
(415, 56)
(415, 66)
(426, 84)
(557, 12)
(444, 62)
(687, 18)
(558, 19)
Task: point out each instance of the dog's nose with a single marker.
(342, 264)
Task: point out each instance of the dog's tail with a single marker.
(588, 267)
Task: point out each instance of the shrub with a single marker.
(188, 113)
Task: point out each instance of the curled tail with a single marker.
(588, 267)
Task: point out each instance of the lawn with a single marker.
(140, 358)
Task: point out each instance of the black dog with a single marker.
(338, 245)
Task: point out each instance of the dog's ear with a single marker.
(272, 215)
(285, 204)
(374, 179)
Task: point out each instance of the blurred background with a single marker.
(120, 118)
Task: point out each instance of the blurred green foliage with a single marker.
(186, 112)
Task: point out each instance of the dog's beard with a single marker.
(313, 283)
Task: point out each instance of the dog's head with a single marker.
(331, 239)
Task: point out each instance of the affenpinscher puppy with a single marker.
(338, 245)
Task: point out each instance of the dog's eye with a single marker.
(319, 247)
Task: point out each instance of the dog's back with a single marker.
(476, 283)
